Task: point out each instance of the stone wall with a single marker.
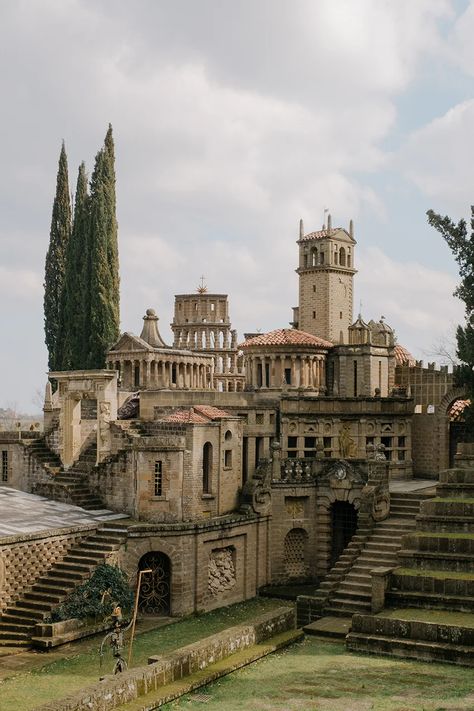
(116, 691)
(213, 563)
(25, 558)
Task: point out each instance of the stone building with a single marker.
(244, 465)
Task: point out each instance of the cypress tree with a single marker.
(76, 293)
(104, 313)
(55, 264)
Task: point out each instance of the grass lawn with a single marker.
(46, 680)
(320, 676)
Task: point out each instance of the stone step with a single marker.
(349, 603)
(23, 613)
(349, 586)
(24, 629)
(40, 606)
(413, 649)
(376, 547)
(47, 598)
(73, 567)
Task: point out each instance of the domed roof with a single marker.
(286, 337)
(403, 356)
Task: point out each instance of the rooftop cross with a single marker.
(202, 288)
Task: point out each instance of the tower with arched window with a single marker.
(326, 272)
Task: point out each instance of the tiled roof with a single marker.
(213, 413)
(457, 408)
(197, 415)
(403, 356)
(321, 234)
(286, 337)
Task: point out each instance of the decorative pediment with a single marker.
(129, 342)
(341, 470)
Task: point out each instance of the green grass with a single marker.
(321, 676)
(54, 680)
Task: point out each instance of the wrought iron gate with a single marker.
(155, 593)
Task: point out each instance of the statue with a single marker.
(347, 446)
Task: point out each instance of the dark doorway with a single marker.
(343, 527)
(155, 591)
(457, 433)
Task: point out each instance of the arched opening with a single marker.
(457, 426)
(295, 551)
(342, 257)
(207, 468)
(343, 527)
(155, 590)
(314, 257)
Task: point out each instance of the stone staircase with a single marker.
(429, 604)
(17, 623)
(354, 592)
(39, 450)
(71, 485)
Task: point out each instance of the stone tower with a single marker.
(326, 271)
(201, 323)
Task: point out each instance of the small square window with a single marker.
(259, 418)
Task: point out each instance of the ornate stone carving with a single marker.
(221, 571)
(347, 445)
(294, 506)
(256, 494)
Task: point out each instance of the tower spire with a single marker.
(301, 229)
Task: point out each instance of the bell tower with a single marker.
(326, 271)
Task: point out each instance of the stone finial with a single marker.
(48, 397)
(301, 229)
(329, 222)
(351, 228)
(150, 332)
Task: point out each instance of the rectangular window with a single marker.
(327, 446)
(292, 447)
(243, 415)
(310, 446)
(227, 458)
(259, 418)
(355, 378)
(272, 418)
(387, 443)
(288, 376)
(158, 479)
(314, 314)
(401, 442)
(5, 465)
(314, 287)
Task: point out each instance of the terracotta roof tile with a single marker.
(321, 234)
(457, 408)
(286, 337)
(197, 415)
(403, 356)
(213, 413)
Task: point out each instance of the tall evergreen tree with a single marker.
(76, 292)
(55, 263)
(461, 243)
(104, 314)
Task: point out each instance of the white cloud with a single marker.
(415, 299)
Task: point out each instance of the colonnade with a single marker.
(294, 371)
(165, 372)
(205, 337)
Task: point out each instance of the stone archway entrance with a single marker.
(343, 527)
(155, 591)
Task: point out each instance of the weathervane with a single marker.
(202, 288)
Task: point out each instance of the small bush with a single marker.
(88, 599)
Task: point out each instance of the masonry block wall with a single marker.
(25, 558)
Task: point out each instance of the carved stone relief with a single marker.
(221, 571)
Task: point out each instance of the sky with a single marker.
(233, 120)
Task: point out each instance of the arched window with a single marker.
(206, 468)
(314, 257)
(342, 257)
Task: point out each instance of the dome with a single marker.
(403, 356)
